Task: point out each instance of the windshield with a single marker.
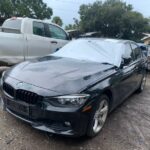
(103, 51)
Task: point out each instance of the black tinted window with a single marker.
(136, 50)
(57, 32)
(38, 28)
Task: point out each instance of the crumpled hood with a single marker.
(62, 75)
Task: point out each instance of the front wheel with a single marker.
(99, 117)
(2, 104)
(142, 85)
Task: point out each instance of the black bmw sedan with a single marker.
(72, 91)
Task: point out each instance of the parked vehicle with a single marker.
(72, 91)
(24, 38)
(90, 35)
(145, 52)
(148, 54)
(144, 49)
(148, 50)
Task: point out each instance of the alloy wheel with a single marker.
(100, 116)
(143, 83)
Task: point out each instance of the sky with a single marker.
(68, 9)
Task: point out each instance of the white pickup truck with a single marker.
(24, 38)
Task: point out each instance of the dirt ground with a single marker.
(127, 128)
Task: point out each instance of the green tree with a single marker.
(6, 8)
(29, 8)
(57, 20)
(74, 26)
(71, 27)
(113, 18)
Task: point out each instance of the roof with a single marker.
(108, 39)
(73, 30)
(26, 18)
(141, 44)
(147, 36)
(89, 33)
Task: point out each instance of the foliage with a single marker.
(29, 8)
(74, 26)
(113, 18)
(57, 20)
(71, 27)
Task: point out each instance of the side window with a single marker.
(38, 28)
(136, 50)
(57, 32)
(128, 55)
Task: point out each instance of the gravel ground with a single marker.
(127, 128)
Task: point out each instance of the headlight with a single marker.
(69, 100)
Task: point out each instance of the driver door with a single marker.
(127, 74)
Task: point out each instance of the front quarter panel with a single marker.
(109, 83)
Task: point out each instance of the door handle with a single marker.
(54, 42)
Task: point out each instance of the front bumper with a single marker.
(63, 121)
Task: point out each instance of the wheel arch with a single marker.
(109, 93)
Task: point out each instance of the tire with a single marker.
(142, 85)
(98, 117)
(2, 104)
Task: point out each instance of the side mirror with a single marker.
(125, 62)
(122, 64)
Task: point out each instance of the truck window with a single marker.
(38, 28)
(12, 26)
(57, 32)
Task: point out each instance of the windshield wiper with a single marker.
(105, 63)
(113, 66)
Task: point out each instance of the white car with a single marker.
(24, 38)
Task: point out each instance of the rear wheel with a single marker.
(99, 117)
